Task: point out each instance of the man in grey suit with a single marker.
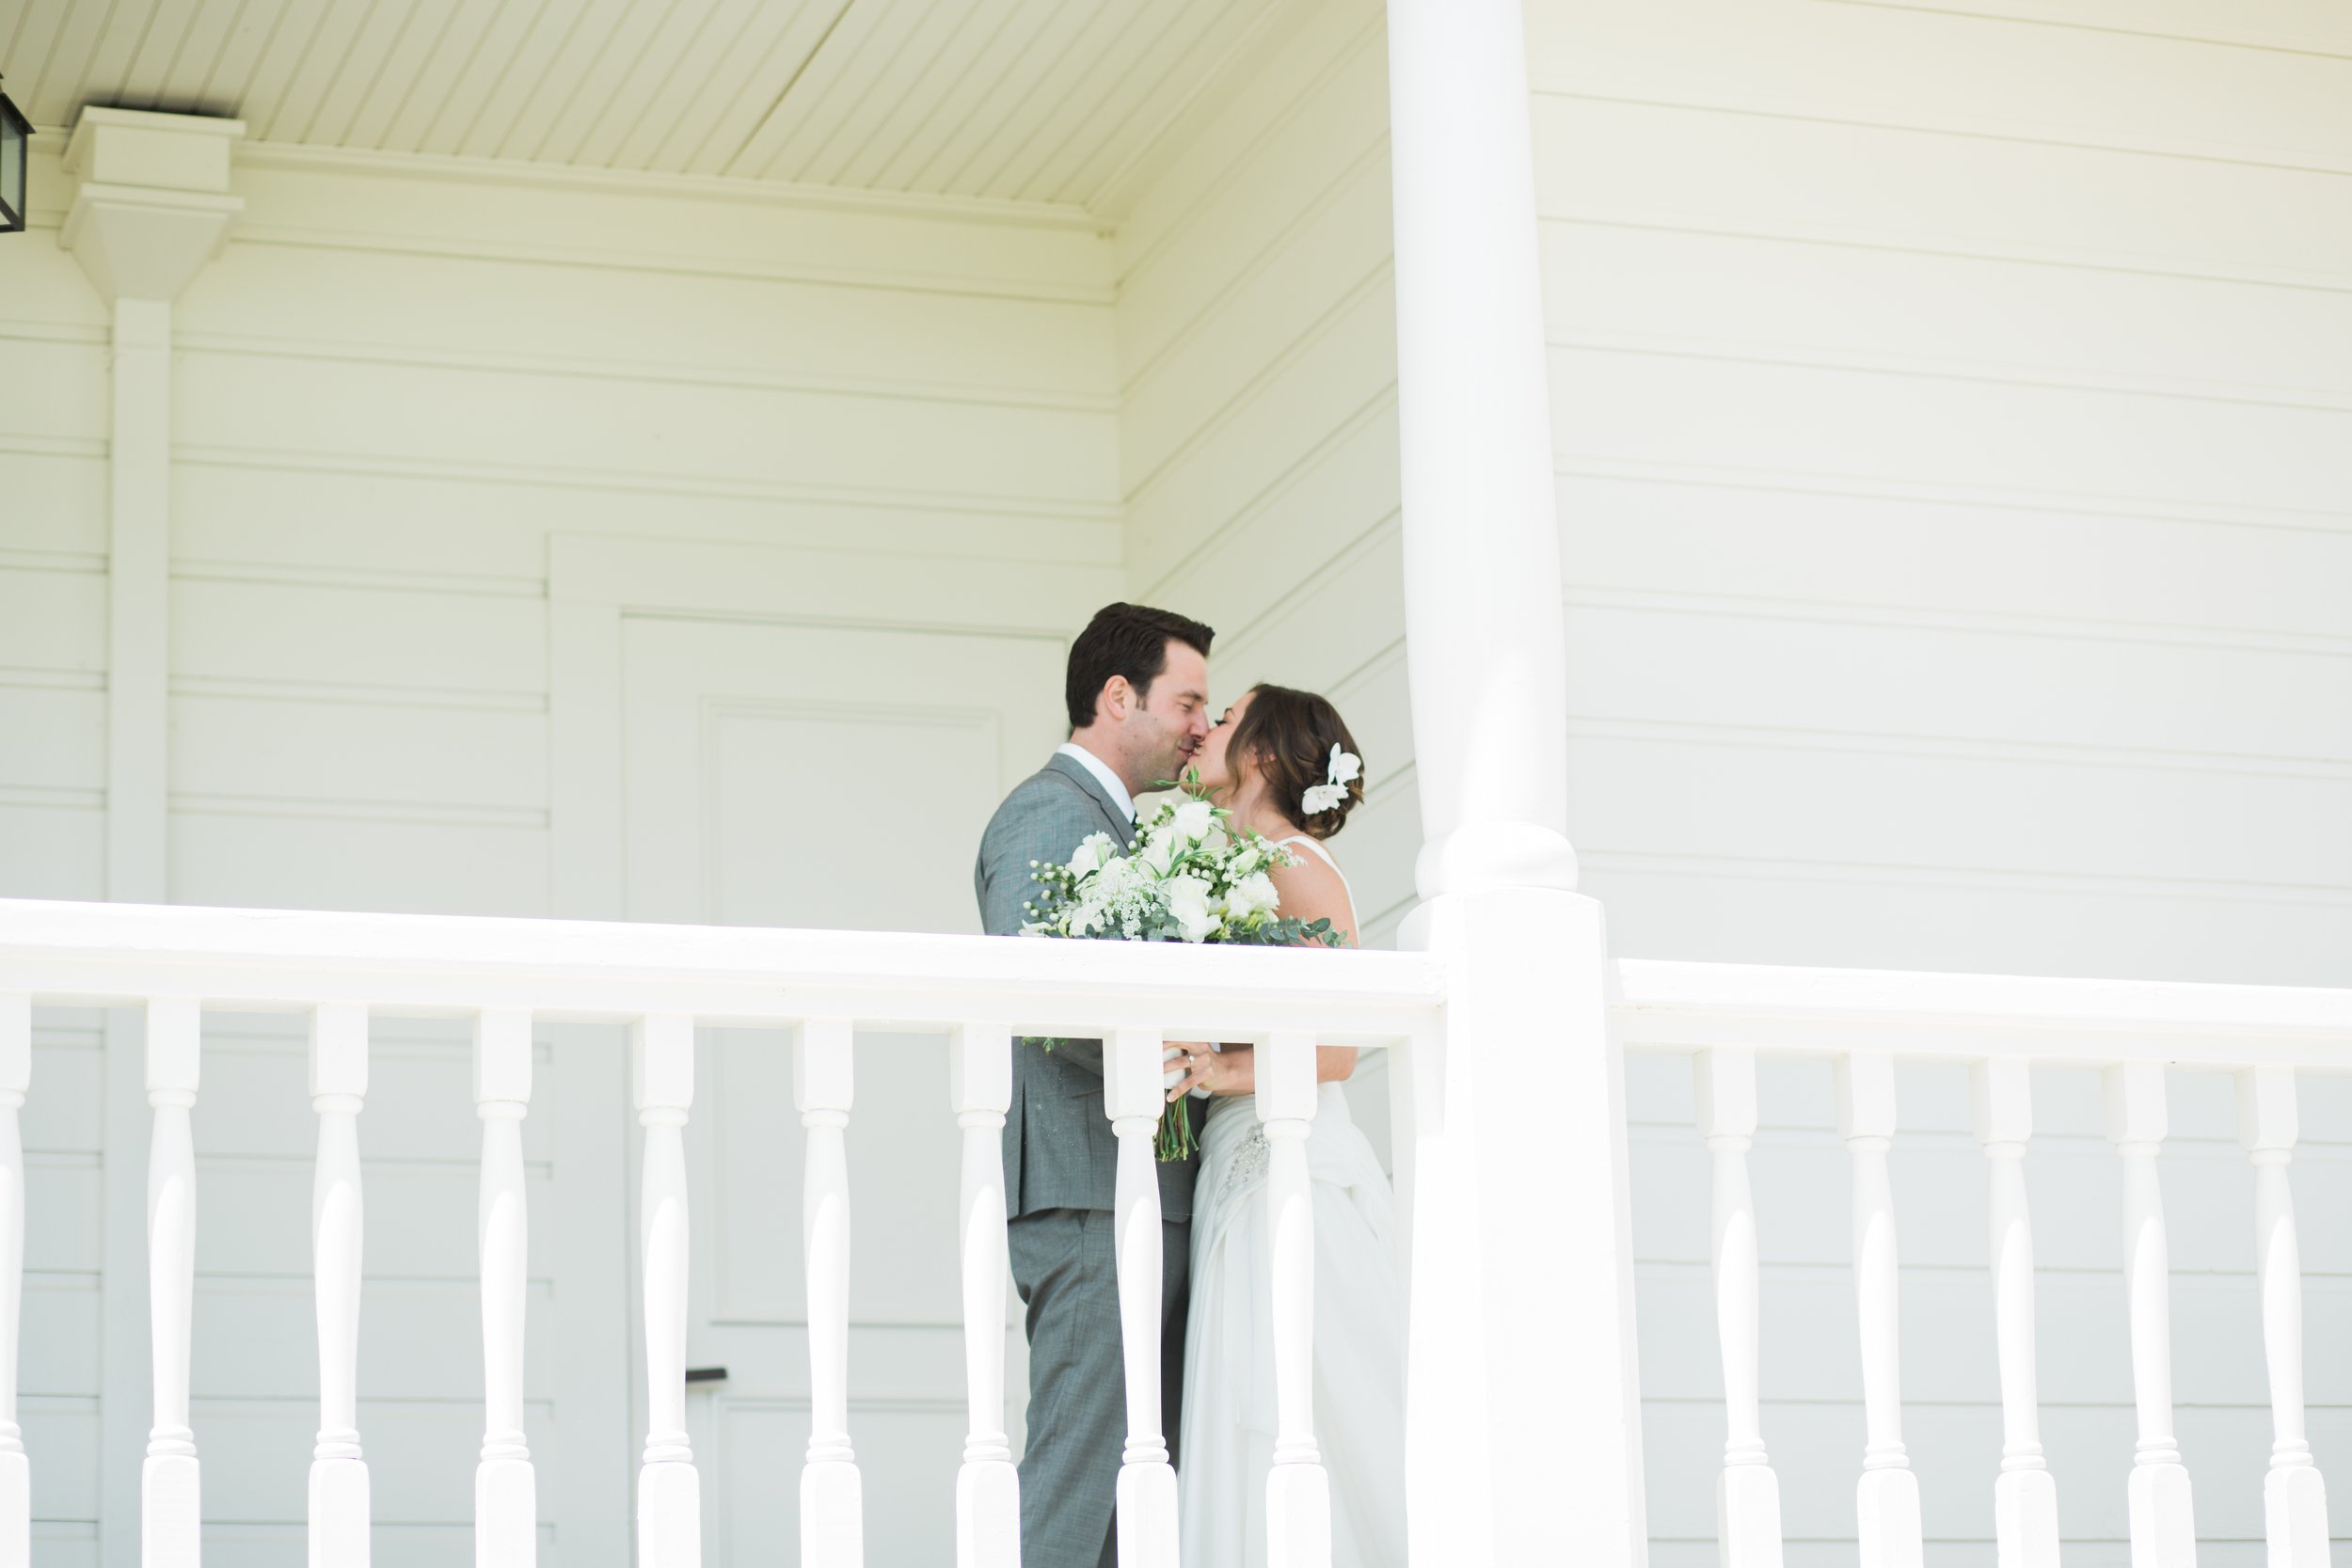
(1137, 689)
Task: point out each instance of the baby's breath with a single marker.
(1190, 874)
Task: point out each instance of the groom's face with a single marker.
(1166, 728)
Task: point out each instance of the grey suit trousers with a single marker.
(1065, 1263)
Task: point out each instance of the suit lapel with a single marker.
(1114, 820)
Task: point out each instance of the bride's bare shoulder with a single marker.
(1313, 888)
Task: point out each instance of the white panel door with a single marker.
(783, 775)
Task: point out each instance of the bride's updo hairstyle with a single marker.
(1287, 736)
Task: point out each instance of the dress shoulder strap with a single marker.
(1325, 856)
(1321, 853)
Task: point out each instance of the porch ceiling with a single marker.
(1055, 101)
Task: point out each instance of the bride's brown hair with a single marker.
(1287, 736)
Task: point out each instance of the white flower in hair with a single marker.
(1345, 769)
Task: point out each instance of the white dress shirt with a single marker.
(1104, 776)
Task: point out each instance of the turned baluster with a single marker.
(506, 1506)
(1133, 1098)
(988, 1488)
(1747, 1493)
(833, 1528)
(338, 1474)
(669, 1493)
(2295, 1499)
(2025, 1496)
(16, 1478)
(2163, 1524)
(170, 1508)
(1887, 1497)
(1299, 1492)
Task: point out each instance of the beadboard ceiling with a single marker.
(1033, 101)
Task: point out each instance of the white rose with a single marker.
(1159, 852)
(1091, 853)
(1188, 902)
(1252, 895)
(1193, 820)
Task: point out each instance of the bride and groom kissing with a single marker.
(1137, 692)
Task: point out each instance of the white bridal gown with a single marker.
(1229, 1342)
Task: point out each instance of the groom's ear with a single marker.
(1118, 696)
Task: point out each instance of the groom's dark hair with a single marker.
(1129, 639)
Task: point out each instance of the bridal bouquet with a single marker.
(1189, 876)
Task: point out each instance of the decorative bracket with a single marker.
(154, 204)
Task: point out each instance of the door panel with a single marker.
(824, 777)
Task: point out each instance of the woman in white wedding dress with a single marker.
(1284, 764)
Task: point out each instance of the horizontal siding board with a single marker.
(420, 1459)
(1244, 218)
(53, 620)
(59, 1348)
(385, 864)
(693, 581)
(1860, 805)
(55, 738)
(64, 1112)
(1261, 114)
(1901, 64)
(272, 1238)
(487, 309)
(258, 749)
(537, 421)
(1916, 189)
(56, 388)
(419, 1110)
(1322, 386)
(53, 851)
(1721, 537)
(2151, 927)
(1740, 666)
(61, 1438)
(56, 499)
(420, 1342)
(490, 532)
(1336, 495)
(1959, 314)
(1239, 333)
(1705, 410)
(2289, 25)
(266, 631)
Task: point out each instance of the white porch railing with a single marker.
(343, 970)
(1862, 1022)
(662, 981)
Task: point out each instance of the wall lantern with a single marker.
(15, 129)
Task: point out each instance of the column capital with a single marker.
(153, 204)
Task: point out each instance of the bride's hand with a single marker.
(1229, 1072)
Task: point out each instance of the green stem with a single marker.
(1175, 1140)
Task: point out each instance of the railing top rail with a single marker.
(85, 953)
(1667, 1006)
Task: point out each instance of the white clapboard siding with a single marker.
(53, 419)
(393, 394)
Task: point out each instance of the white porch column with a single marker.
(1523, 1430)
(152, 208)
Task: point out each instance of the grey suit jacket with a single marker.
(1060, 1152)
